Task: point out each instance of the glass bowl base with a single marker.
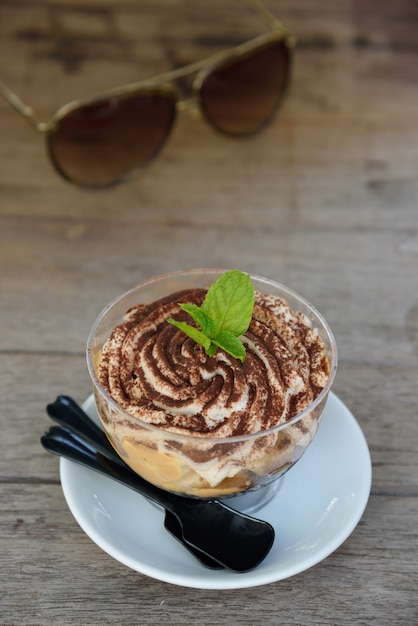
(252, 501)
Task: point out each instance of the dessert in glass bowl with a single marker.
(211, 383)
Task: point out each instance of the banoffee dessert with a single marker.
(193, 418)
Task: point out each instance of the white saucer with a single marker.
(320, 502)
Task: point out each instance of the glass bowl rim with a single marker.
(204, 438)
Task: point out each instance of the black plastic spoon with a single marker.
(200, 521)
(232, 539)
(70, 415)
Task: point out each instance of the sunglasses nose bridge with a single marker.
(191, 106)
(44, 127)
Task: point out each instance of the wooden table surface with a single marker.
(324, 201)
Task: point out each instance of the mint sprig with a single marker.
(224, 316)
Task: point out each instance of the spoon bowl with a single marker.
(173, 526)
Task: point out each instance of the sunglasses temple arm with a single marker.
(265, 15)
(26, 111)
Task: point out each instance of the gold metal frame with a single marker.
(277, 32)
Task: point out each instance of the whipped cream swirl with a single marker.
(162, 377)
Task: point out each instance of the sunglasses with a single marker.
(96, 142)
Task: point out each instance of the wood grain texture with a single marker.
(324, 201)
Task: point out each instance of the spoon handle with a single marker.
(66, 412)
(63, 442)
(60, 441)
(66, 444)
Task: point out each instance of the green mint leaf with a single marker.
(231, 344)
(201, 318)
(225, 314)
(192, 332)
(229, 302)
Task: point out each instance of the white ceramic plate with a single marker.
(319, 504)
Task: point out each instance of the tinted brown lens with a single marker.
(98, 144)
(240, 97)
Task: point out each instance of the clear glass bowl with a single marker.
(204, 466)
